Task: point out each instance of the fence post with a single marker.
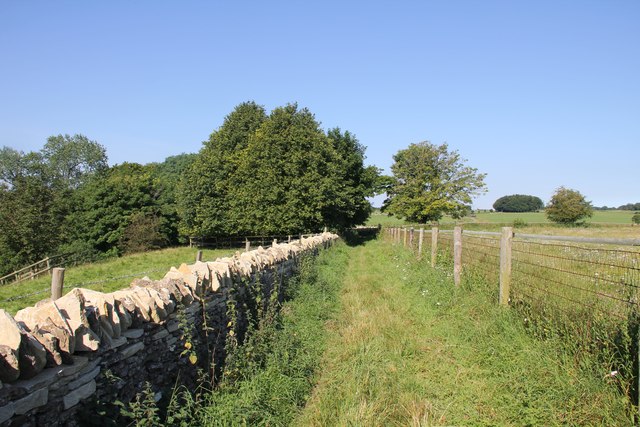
(289, 239)
(505, 264)
(404, 237)
(434, 246)
(57, 282)
(48, 264)
(275, 242)
(247, 245)
(420, 238)
(411, 238)
(199, 256)
(457, 255)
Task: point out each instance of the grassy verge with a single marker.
(269, 378)
(105, 276)
(411, 349)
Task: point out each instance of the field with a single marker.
(105, 276)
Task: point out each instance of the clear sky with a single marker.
(537, 94)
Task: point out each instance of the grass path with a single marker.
(410, 349)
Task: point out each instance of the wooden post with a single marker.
(325, 230)
(247, 245)
(411, 238)
(434, 246)
(506, 242)
(57, 282)
(275, 242)
(199, 256)
(404, 237)
(420, 239)
(48, 264)
(289, 239)
(457, 255)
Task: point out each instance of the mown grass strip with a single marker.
(411, 349)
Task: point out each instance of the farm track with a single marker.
(410, 349)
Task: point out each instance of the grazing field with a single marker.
(104, 276)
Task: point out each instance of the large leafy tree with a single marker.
(431, 181)
(568, 207)
(203, 195)
(109, 203)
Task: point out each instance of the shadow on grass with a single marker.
(359, 236)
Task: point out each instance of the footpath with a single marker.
(409, 348)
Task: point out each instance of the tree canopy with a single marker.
(568, 206)
(518, 203)
(431, 181)
(279, 173)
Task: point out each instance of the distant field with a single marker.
(105, 276)
(599, 217)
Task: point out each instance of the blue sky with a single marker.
(536, 94)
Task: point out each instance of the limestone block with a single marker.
(177, 277)
(222, 271)
(191, 279)
(105, 309)
(51, 345)
(131, 350)
(134, 333)
(84, 378)
(7, 411)
(79, 362)
(9, 365)
(75, 396)
(33, 400)
(32, 356)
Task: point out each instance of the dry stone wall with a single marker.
(66, 362)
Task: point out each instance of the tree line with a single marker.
(258, 173)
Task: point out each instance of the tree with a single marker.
(568, 206)
(71, 159)
(430, 181)
(518, 203)
(203, 198)
(29, 223)
(635, 219)
(108, 203)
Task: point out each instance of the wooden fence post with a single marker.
(404, 237)
(57, 282)
(434, 246)
(506, 242)
(247, 245)
(289, 238)
(199, 256)
(275, 242)
(457, 255)
(420, 239)
(411, 238)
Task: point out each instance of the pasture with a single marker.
(105, 276)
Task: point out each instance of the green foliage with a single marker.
(630, 207)
(568, 207)
(107, 204)
(431, 181)
(271, 174)
(143, 233)
(204, 204)
(71, 159)
(29, 223)
(636, 218)
(518, 203)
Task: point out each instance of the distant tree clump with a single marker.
(636, 218)
(630, 207)
(430, 181)
(518, 203)
(568, 207)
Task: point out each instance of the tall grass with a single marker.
(412, 349)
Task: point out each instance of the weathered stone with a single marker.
(33, 400)
(191, 279)
(7, 411)
(51, 345)
(160, 334)
(42, 380)
(74, 397)
(104, 305)
(83, 379)
(10, 332)
(173, 326)
(79, 362)
(134, 333)
(131, 350)
(32, 356)
(9, 364)
(117, 342)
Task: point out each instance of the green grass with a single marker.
(409, 348)
(105, 276)
(599, 217)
